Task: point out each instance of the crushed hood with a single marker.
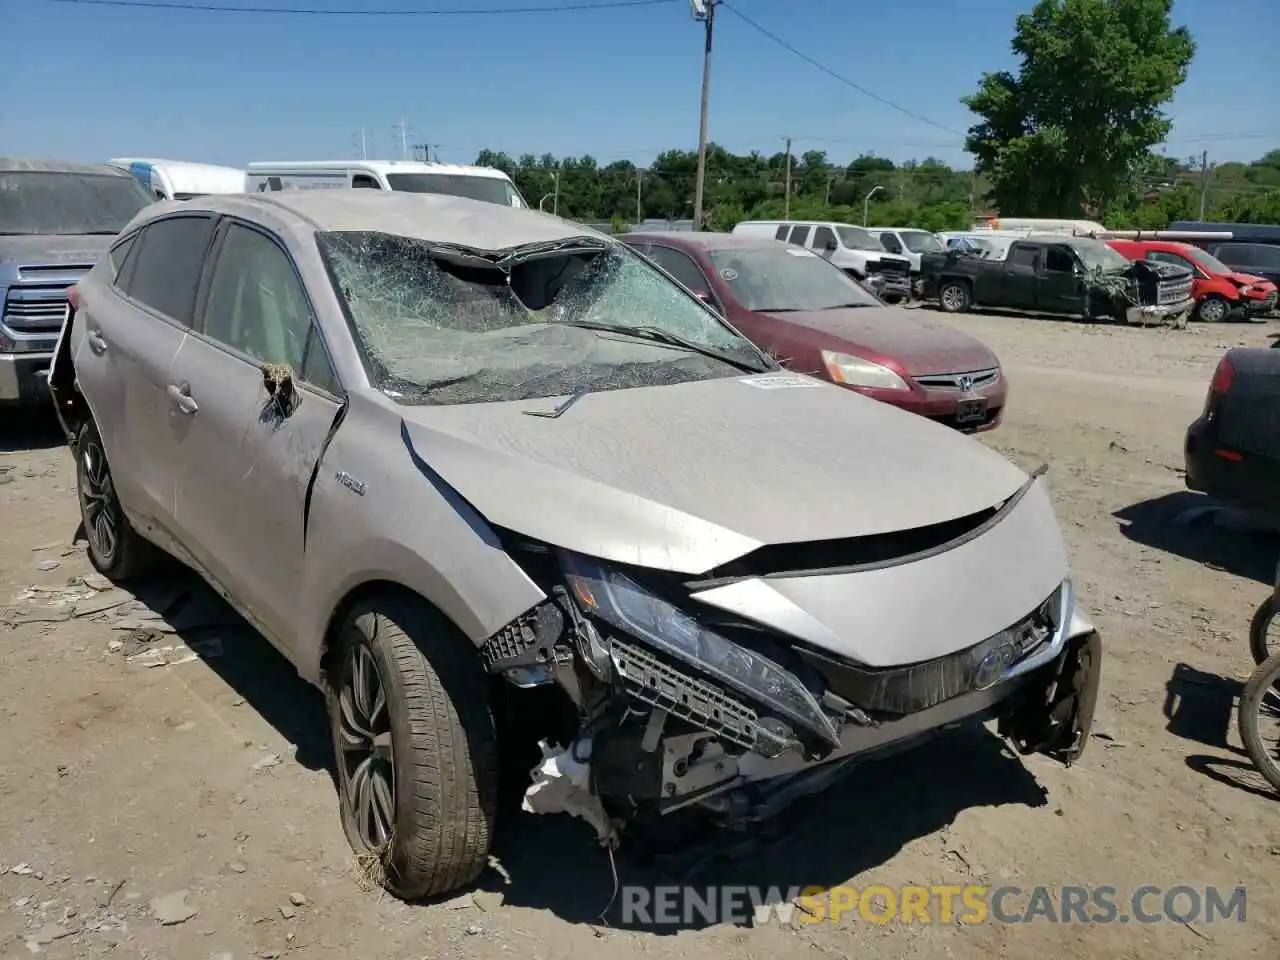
(39, 251)
(921, 346)
(1249, 279)
(691, 476)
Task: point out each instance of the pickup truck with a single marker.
(56, 220)
(1060, 274)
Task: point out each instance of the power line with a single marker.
(359, 12)
(827, 70)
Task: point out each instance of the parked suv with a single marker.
(1259, 259)
(56, 219)
(441, 450)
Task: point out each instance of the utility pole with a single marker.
(362, 144)
(831, 178)
(1204, 182)
(555, 200)
(402, 133)
(704, 10)
(639, 205)
(786, 201)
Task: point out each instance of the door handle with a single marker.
(97, 343)
(181, 395)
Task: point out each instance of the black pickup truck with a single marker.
(1061, 274)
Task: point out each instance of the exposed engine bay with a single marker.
(683, 701)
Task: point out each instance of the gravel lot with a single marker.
(128, 776)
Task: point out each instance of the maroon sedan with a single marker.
(807, 313)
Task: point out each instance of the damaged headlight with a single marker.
(623, 603)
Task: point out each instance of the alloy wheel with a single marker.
(98, 502)
(952, 298)
(364, 743)
(1212, 311)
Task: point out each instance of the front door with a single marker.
(1062, 286)
(1020, 278)
(246, 457)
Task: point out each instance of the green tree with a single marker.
(1066, 135)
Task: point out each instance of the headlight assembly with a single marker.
(856, 372)
(623, 603)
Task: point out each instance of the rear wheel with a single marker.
(415, 746)
(1212, 309)
(116, 549)
(1259, 719)
(955, 296)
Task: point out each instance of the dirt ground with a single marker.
(204, 768)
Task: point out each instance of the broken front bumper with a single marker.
(1167, 314)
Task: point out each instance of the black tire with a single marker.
(1265, 681)
(436, 774)
(1212, 309)
(1262, 618)
(116, 549)
(954, 296)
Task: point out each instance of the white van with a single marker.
(854, 250)
(181, 179)
(478, 183)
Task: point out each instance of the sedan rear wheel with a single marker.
(415, 745)
(1212, 309)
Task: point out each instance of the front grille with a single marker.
(903, 690)
(1173, 291)
(35, 309)
(957, 381)
(890, 268)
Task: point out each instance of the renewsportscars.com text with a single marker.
(972, 904)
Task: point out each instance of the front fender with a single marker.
(375, 517)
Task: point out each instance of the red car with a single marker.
(1220, 293)
(792, 303)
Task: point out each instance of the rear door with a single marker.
(1020, 278)
(245, 458)
(131, 331)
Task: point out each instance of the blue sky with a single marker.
(91, 82)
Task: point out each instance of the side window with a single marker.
(317, 368)
(1058, 260)
(891, 243)
(782, 233)
(256, 304)
(1265, 256)
(798, 234)
(1024, 255)
(169, 258)
(363, 180)
(682, 267)
(119, 253)
(823, 237)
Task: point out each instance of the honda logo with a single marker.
(966, 383)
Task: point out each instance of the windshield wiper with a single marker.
(846, 306)
(658, 335)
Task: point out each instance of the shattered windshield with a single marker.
(1098, 256)
(855, 238)
(488, 189)
(920, 241)
(442, 325)
(48, 203)
(786, 279)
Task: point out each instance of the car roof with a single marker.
(48, 165)
(378, 166)
(706, 241)
(433, 218)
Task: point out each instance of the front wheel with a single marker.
(1260, 628)
(1259, 709)
(1212, 309)
(955, 297)
(415, 746)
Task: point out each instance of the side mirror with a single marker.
(831, 246)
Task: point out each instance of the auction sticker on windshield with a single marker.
(780, 383)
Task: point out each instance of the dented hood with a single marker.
(690, 476)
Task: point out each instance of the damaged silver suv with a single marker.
(438, 450)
